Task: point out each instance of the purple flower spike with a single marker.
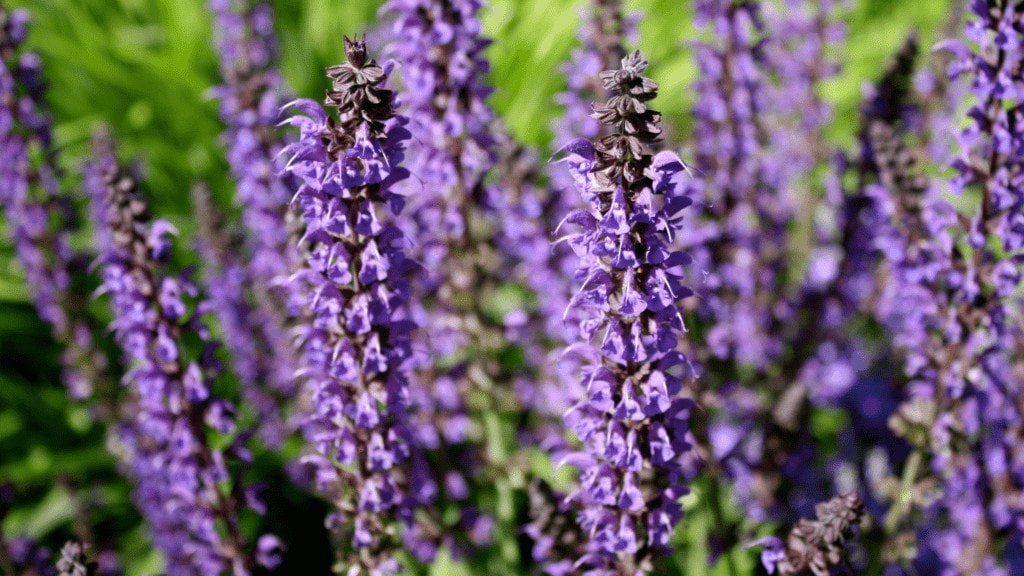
(179, 475)
(357, 347)
(955, 278)
(251, 99)
(40, 217)
(633, 421)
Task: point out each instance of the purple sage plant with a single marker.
(40, 217)
(190, 492)
(357, 346)
(637, 456)
(250, 101)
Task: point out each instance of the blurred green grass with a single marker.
(145, 66)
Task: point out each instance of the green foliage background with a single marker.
(144, 67)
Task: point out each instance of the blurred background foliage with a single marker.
(145, 67)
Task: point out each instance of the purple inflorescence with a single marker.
(741, 230)
(250, 107)
(225, 279)
(955, 275)
(637, 455)
(179, 475)
(802, 31)
(39, 217)
(357, 346)
(441, 54)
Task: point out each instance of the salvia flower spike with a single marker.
(637, 455)
(357, 346)
(165, 441)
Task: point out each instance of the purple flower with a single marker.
(251, 99)
(179, 475)
(39, 215)
(637, 450)
(226, 281)
(357, 345)
(953, 278)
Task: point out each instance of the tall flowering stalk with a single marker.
(357, 346)
(637, 455)
(39, 217)
(189, 491)
(816, 547)
(251, 99)
(472, 238)
(225, 279)
(743, 222)
(957, 276)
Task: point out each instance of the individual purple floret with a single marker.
(180, 476)
(39, 216)
(357, 346)
(250, 103)
(637, 456)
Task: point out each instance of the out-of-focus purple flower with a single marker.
(226, 281)
(40, 217)
(251, 99)
(637, 455)
(357, 346)
(815, 547)
(739, 238)
(439, 45)
(956, 276)
(179, 475)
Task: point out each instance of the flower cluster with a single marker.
(40, 220)
(954, 277)
(815, 547)
(179, 474)
(250, 106)
(633, 421)
(357, 346)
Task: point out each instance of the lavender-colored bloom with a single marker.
(441, 54)
(358, 343)
(40, 217)
(741, 227)
(251, 99)
(633, 421)
(956, 278)
(179, 475)
(802, 31)
(225, 279)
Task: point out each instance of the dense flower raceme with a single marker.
(954, 275)
(637, 455)
(738, 240)
(743, 215)
(440, 48)
(225, 280)
(815, 547)
(357, 347)
(167, 441)
(250, 107)
(39, 217)
(802, 31)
